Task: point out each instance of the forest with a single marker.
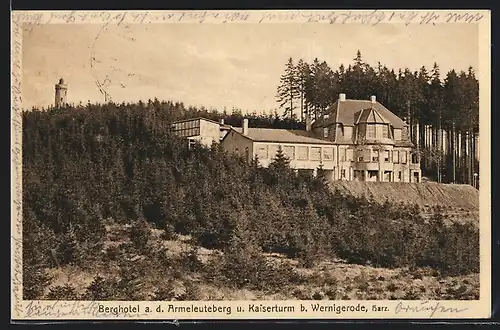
(88, 168)
(442, 110)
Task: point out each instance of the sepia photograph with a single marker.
(266, 161)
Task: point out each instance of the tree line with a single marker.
(85, 166)
(442, 112)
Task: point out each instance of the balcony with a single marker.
(367, 166)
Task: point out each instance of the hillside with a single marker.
(448, 196)
(175, 269)
(87, 174)
(456, 202)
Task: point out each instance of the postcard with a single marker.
(284, 164)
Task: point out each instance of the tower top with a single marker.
(61, 81)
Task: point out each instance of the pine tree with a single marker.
(305, 82)
(436, 105)
(354, 82)
(288, 90)
(280, 162)
(453, 98)
(279, 170)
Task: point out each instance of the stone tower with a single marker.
(61, 93)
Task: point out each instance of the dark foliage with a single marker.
(83, 166)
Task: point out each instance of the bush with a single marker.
(37, 243)
(192, 293)
(63, 292)
(190, 260)
(131, 280)
(137, 171)
(68, 250)
(166, 292)
(35, 280)
(168, 232)
(243, 265)
(140, 235)
(101, 288)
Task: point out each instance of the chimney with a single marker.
(245, 126)
(308, 123)
(222, 121)
(373, 99)
(341, 97)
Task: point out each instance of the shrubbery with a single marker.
(82, 166)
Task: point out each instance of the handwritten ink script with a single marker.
(432, 308)
(65, 309)
(16, 166)
(372, 17)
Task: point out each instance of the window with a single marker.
(343, 155)
(273, 149)
(414, 158)
(327, 154)
(370, 131)
(360, 155)
(350, 155)
(262, 151)
(387, 156)
(342, 173)
(325, 132)
(395, 156)
(404, 133)
(375, 156)
(385, 131)
(315, 153)
(302, 153)
(367, 155)
(400, 176)
(289, 151)
(403, 157)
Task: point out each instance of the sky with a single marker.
(220, 65)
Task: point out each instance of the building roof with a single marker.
(371, 116)
(280, 136)
(195, 118)
(344, 112)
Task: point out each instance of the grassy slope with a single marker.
(457, 201)
(330, 279)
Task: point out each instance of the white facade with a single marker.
(372, 146)
(202, 130)
(358, 141)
